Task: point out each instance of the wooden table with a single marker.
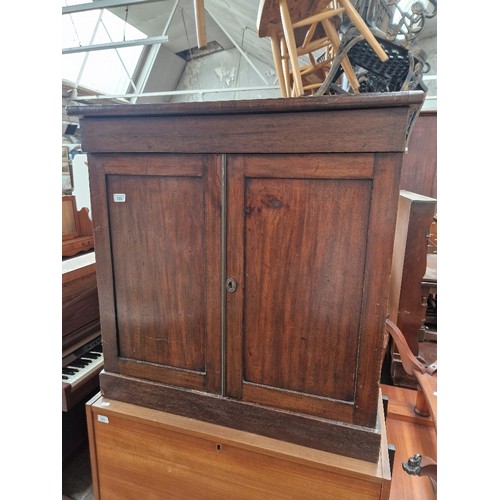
(409, 434)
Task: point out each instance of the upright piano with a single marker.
(82, 358)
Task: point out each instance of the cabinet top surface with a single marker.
(274, 105)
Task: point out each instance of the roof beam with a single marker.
(116, 45)
(86, 57)
(152, 55)
(103, 4)
(201, 32)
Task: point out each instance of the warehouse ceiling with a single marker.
(229, 24)
(226, 21)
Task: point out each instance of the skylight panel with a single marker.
(106, 71)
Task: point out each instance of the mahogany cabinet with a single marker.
(243, 257)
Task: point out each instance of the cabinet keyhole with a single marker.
(231, 285)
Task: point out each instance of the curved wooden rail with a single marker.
(426, 401)
(426, 375)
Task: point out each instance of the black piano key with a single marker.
(79, 363)
(83, 357)
(76, 368)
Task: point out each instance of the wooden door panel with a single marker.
(164, 243)
(158, 266)
(304, 262)
(297, 246)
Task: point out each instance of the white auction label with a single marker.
(119, 197)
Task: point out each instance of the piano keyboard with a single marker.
(81, 363)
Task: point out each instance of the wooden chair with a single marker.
(300, 28)
(426, 375)
(425, 402)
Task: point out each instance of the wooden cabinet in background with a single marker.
(408, 296)
(243, 258)
(77, 232)
(419, 172)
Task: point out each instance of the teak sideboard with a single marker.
(139, 452)
(243, 256)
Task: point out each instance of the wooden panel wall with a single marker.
(419, 173)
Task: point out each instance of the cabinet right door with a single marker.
(302, 230)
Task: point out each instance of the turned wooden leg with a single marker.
(286, 23)
(421, 407)
(278, 62)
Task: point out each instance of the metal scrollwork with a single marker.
(410, 24)
(396, 29)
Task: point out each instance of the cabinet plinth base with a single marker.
(348, 440)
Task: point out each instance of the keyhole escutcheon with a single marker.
(231, 285)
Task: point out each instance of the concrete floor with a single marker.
(77, 477)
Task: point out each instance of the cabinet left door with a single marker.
(157, 224)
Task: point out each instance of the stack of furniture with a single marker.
(243, 258)
(330, 47)
(299, 28)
